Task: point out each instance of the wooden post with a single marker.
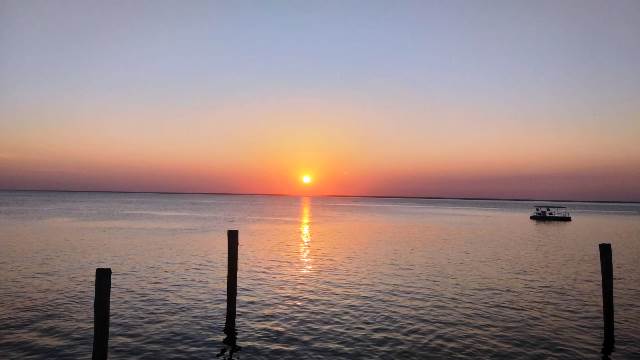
(232, 284)
(101, 314)
(606, 268)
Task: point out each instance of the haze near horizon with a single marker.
(505, 99)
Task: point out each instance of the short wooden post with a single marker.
(232, 284)
(101, 305)
(606, 268)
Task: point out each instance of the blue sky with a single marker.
(504, 80)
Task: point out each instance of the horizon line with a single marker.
(329, 195)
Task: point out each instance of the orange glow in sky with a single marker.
(424, 100)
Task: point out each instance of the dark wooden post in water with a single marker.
(232, 285)
(101, 314)
(606, 268)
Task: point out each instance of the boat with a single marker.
(550, 213)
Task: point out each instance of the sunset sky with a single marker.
(501, 99)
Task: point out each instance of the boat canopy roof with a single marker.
(551, 206)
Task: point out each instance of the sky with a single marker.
(492, 99)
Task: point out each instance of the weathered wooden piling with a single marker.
(101, 305)
(232, 284)
(606, 268)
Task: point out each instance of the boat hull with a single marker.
(550, 218)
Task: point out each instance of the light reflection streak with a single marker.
(305, 234)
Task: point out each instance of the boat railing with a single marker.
(551, 211)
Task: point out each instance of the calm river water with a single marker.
(319, 278)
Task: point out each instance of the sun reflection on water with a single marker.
(305, 234)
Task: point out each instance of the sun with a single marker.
(307, 179)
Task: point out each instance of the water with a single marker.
(319, 278)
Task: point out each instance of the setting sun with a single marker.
(306, 179)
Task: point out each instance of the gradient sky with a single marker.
(506, 99)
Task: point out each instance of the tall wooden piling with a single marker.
(232, 284)
(101, 305)
(606, 268)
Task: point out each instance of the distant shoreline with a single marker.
(339, 196)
